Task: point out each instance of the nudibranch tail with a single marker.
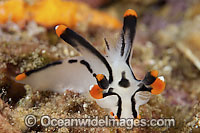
(20, 77)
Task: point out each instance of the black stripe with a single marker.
(133, 107)
(127, 60)
(132, 73)
(119, 103)
(130, 26)
(142, 88)
(74, 40)
(123, 45)
(44, 67)
(107, 45)
(72, 61)
(87, 65)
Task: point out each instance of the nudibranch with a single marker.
(109, 79)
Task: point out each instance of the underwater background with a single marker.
(167, 39)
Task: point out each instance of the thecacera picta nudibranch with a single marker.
(109, 78)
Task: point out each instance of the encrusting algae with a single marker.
(49, 13)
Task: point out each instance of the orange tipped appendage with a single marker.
(99, 77)
(116, 118)
(157, 86)
(96, 92)
(20, 77)
(111, 113)
(139, 116)
(60, 29)
(130, 12)
(154, 73)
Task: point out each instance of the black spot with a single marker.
(123, 45)
(44, 67)
(124, 82)
(72, 61)
(107, 45)
(87, 65)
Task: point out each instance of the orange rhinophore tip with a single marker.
(111, 113)
(99, 77)
(154, 73)
(130, 12)
(60, 29)
(20, 76)
(139, 116)
(96, 92)
(158, 86)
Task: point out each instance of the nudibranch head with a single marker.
(125, 94)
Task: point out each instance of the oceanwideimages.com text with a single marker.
(47, 121)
